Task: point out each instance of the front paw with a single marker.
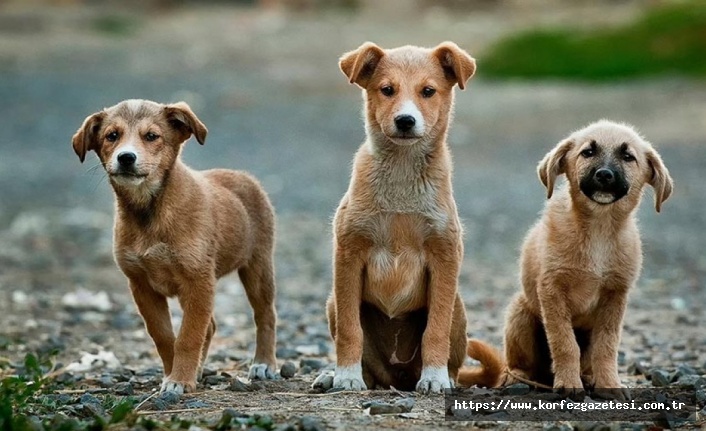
(349, 378)
(178, 386)
(569, 387)
(434, 380)
(261, 372)
(611, 389)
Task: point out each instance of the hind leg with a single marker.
(459, 339)
(258, 280)
(206, 345)
(521, 354)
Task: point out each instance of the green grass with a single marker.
(666, 40)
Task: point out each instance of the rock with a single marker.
(196, 404)
(208, 372)
(313, 363)
(106, 381)
(621, 358)
(691, 381)
(288, 370)
(403, 405)
(636, 368)
(684, 355)
(558, 427)
(701, 395)
(124, 388)
(237, 385)
(308, 423)
(287, 353)
(516, 389)
(659, 377)
(682, 370)
(83, 299)
(305, 370)
(215, 380)
(324, 381)
(165, 400)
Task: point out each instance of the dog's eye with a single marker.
(588, 152)
(387, 90)
(149, 136)
(628, 157)
(112, 137)
(428, 92)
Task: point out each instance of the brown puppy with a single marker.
(178, 230)
(395, 309)
(578, 263)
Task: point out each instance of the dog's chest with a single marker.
(396, 264)
(158, 263)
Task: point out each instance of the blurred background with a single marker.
(263, 76)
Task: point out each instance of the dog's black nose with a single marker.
(127, 159)
(404, 123)
(604, 176)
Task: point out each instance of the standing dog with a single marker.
(395, 313)
(177, 231)
(578, 264)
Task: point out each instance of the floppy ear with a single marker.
(86, 137)
(457, 64)
(661, 181)
(553, 165)
(183, 119)
(359, 65)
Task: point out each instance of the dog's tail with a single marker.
(491, 369)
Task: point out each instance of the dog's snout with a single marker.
(404, 123)
(605, 176)
(127, 159)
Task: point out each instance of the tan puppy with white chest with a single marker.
(578, 264)
(395, 313)
(177, 231)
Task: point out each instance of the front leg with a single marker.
(348, 287)
(605, 339)
(154, 309)
(443, 266)
(564, 349)
(196, 299)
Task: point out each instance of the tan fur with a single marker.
(577, 265)
(178, 230)
(397, 235)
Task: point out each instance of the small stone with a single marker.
(621, 358)
(106, 381)
(312, 363)
(691, 381)
(237, 385)
(324, 381)
(287, 353)
(196, 404)
(288, 370)
(208, 372)
(684, 355)
(637, 368)
(659, 377)
(516, 389)
(701, 395)
(308, 423)
(305, 370)
(169, 397)
(124, 388)
(89, 399)
(400, 406)
(215, 380)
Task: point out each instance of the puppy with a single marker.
(395, 313)
(177, 231)
(578, 264)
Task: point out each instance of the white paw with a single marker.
(261, 372)
(434, 380)
(349, 378)
(168, 385)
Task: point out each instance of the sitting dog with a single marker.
(578, 264)
(395, 313)
(177, 231)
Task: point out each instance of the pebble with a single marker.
(308, 423)
(305, 370)
(196, 404)
(169, 397)
(659, 377)
(558, 427)
(287, 353)
(636, 368)
(403, 405)
(215, 380)
(237, 385)
(701, 395)
(313, 363)
(324, 382)
(516, 389)
(208, 372)
(124, 388)
(684, 355)
(691, 381)
(288, 370)
(106, 381)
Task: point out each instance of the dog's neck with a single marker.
(141, 204)
(591, 216)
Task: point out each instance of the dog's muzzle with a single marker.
(604, 185)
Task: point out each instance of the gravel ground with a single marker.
(267, 86)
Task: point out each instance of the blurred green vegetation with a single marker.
(668, 39)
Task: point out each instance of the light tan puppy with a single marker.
(395, 313)
(178, 230)
(578, 264)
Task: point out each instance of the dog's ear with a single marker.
(457, 64)
(184, 121)
(359, 65)
(86, 137)
(553, 165)
(661, 181)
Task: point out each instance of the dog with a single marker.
(395, 313)
(177, 231)
(577, 265)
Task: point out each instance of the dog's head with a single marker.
(408, 90)
(607, 163)
(138, 140)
